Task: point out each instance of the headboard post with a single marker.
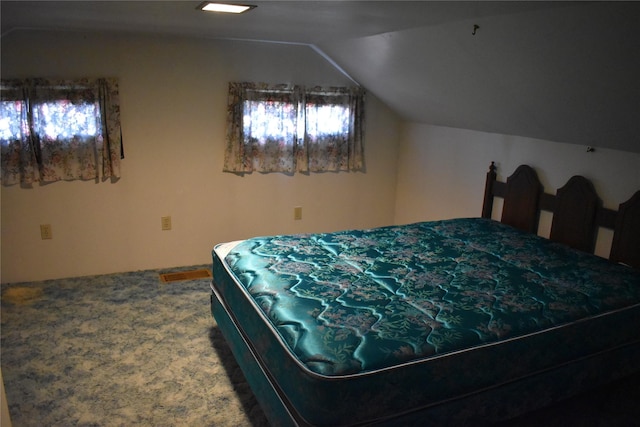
(487, 205)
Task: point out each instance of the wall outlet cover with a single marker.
(166, 223)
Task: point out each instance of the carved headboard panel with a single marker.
(577, 212)
(574, 214)
(520, 208)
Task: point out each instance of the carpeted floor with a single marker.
(119, 350)
(129, 350)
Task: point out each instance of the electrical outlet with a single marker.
(166, 223)
(45, 231)
(297, 213)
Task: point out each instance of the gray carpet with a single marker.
(119, 350)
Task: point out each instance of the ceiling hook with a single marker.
(475, 28)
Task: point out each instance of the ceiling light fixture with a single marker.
(224, 7)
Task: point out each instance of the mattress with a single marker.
(396, 319)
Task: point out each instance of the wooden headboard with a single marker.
(577, 212)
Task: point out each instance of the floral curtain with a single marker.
(262, 128)
(282, 128)
(53, 130)
(334, 125)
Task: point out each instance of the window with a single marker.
(279, 128)
(59, 130)
(64, 120)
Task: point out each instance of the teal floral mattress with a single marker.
(396, 317)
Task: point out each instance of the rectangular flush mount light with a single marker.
(224, 7)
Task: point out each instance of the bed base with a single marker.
(266, 392)
(484, 407)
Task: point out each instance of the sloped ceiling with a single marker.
(559, 71)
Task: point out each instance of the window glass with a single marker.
(268, 121)
(326, 120)
(64, 120)
(10, 124)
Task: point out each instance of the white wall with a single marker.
(173, 100)
(173, 94)
(441, 172)
(5, 418)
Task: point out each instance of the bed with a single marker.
(461, 321)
